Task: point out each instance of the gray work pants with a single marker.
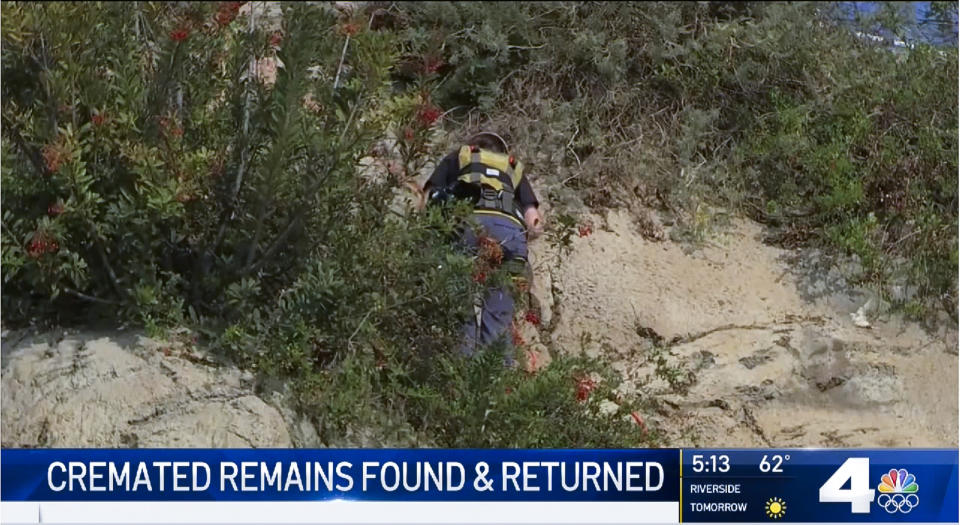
(498, 303)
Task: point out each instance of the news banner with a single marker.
(246, 486)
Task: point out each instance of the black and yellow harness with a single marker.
(497, 177)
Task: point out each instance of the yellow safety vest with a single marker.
(498, 176)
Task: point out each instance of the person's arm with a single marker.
(530, 207)
(444, 174)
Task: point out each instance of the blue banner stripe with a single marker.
(351, 474)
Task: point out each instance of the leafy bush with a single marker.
(473, 402)
(188, 163)
(158, 166)
(869, 160)
(479, 403)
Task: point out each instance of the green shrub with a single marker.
(145, 165)
(773, 109)
(150, 173)
(473, 403)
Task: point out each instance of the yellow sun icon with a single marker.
(775, 508)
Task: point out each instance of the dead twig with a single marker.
(85, 297)
(756, 326)
(527, 47)
(570, 146)
(343, 56)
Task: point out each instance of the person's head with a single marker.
(489, 141)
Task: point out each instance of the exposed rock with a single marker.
(86, 391)
(743, 344)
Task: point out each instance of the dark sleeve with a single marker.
(445, 173)
(525, 195)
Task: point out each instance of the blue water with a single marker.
(919, 22)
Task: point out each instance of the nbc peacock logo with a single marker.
(898, 491)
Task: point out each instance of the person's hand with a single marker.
(534, 222)
(419, 196)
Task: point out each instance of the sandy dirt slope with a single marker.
(727, 347)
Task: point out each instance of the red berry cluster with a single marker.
(432, 65)
(490, 250)
(53, 157)
(428, 114)
(227, 12)
(532, 318)
(276, 38)
(488, 258)
(41, 244)
(585, 385)
(180, 34)
(98, 119)
(350, 29)
(515, 335)
(585, 231)
(170, 127)
(479, 276)
(531, 361)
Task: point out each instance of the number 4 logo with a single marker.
(859, 495)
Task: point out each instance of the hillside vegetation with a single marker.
(173, 164)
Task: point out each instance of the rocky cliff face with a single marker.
(88, 391)
(742, 344)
